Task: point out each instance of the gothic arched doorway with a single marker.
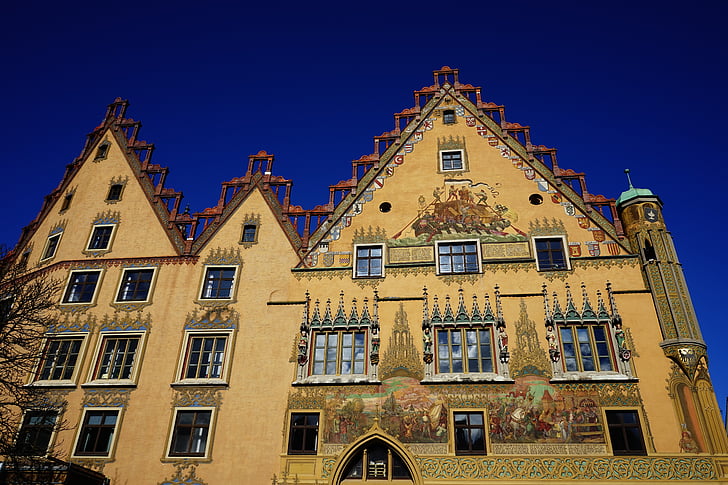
(376, 459)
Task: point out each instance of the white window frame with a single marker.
(356, 260)
(564, 248)
(54, 432)
(92, 380)
(462, 160)
(233, 287)
(152, 283)
(210, 433)
(182, 365)
(111, 237)
(478, 249)
(114, 439)
(96, 289)
(35, 379)
(44, 255)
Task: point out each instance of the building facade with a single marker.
(462, 310)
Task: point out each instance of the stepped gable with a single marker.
(276, 191)
(391, 148)
(138, 153)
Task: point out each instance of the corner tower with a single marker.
(641, 213)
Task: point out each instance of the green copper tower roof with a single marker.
(632, 192)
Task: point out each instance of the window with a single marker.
(66, 202)
(303, 439)
(81, 287)
(469, 433)
(550, 254)
(585, 348)
(51, 246)
(115, 192)
(458, 257)
(218, 283)
(339, 353)
(117, 356)
(451, 160)
(625, 433)
(36, 432)
(191, 429)
(100, 237)
(369, 261)
(249, 233)
(205, 357)
(59, 359)
(102, 150)
(97, 433)
(448, 116)
(135, 285)
(464, 350)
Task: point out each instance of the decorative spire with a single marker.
(448, 311)
(316, 318)
(602, 313)
(488, 311)
(425, 309)
(558, 313)
(616, 318)
(500, 321)
(462, 315)
(354, 316)
(436, 317)
(375, 321)
(340, 313)
(571, 312)
(547, 311)
(586, 313)
(365, 318)
(629, 179)
(476, 317)
(327, 313)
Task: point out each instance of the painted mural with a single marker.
(536, 412)
(461, 207)
(405, 408)
(529, 411)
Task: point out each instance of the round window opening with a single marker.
(385, 207)
(535, 199)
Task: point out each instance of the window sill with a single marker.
(334, 380)
(592, 376)
(469, 377)
(200, 382)
(48, 383)
(109, 383)
(186, 458)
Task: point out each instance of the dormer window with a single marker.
(114, 192)
(102, 150)
(66, 202)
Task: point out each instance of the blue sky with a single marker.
(613, 85)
